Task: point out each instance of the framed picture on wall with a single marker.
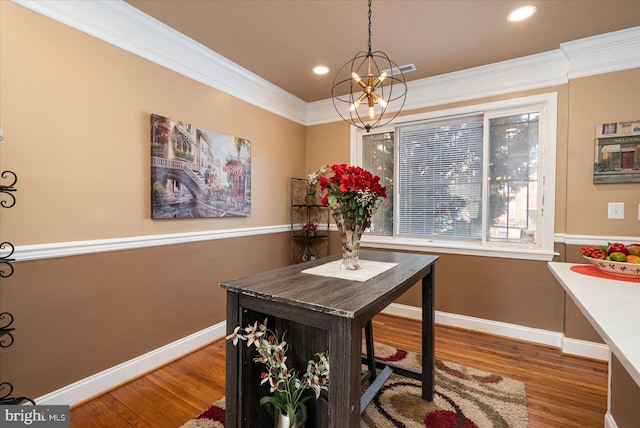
(617, 153)
(196, 172)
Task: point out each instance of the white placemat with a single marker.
(368, 270)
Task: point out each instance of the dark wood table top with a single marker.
(335, 296)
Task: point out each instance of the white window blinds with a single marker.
(440, 178)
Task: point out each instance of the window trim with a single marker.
(547, 104)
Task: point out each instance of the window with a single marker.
(477, 180)
(513, 178)
(378, 159)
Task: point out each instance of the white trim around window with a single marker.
(547, 103)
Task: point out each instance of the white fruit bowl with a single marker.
(616, 268)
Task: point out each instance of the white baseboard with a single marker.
(99, 383)
(513, 331)
(582, 348)
(609, 422)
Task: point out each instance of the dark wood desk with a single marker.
(320, 313)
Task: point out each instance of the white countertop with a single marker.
(612, 307)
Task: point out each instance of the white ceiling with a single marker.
(282, 40)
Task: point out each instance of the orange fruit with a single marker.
(633, 259)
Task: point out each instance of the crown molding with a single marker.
(124, 26)
(605, 53)
(531, 72)
(127, 28)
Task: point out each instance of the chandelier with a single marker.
(368, 86)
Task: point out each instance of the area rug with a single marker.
(464, 398)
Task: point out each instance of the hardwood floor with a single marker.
(562, 391)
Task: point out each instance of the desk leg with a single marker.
(428, 335)
(345, 349)
(232, 366)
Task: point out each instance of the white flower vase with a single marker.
(284, 421)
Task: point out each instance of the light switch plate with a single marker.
(616, 210)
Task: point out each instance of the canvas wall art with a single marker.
(617, 154)
(196, 172)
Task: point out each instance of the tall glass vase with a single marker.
(351, 228)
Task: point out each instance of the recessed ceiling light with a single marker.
(321, 69)
(522, 13)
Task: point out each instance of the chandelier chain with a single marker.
(369, 16)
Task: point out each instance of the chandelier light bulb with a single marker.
(357, 102)
(379, 100)
(369, 93)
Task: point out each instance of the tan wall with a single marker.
(605, 98)
(625, 396)
(77, 316)
(575, 324)
(327, 145)
(76, 119)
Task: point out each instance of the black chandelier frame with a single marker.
(346, 92)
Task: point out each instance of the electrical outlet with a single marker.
(616, 210)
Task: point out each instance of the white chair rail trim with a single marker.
(64, 249)
(76, 248)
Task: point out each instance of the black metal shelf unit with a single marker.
(307, 243)
(7, 200)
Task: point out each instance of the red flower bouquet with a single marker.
(350, 190)
(353, 194)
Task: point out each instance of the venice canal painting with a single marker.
(196, 172)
